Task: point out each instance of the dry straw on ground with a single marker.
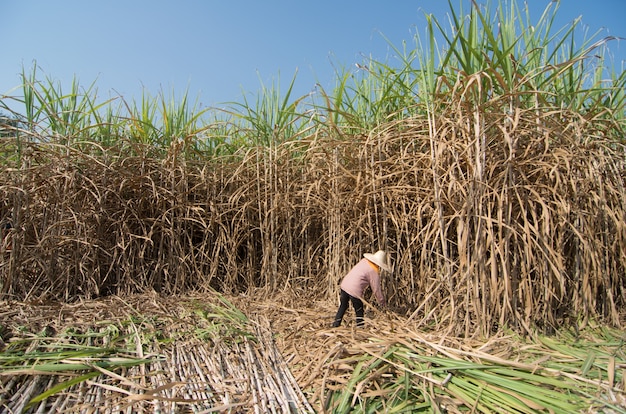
(199, 353)
(392, 366)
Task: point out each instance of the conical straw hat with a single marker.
(379, 258)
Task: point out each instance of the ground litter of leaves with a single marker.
(199, 353)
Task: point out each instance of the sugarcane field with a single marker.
(443, 236)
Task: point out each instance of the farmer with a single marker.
(365, 273)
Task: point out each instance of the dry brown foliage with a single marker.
(492, 217)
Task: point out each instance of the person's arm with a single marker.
(376, 289)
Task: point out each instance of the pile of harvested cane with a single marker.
(253, 353)
(142, 354)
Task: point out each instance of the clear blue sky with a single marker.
(217, 49)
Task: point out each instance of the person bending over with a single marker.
(365, 273)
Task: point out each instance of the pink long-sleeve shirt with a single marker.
(359, 278)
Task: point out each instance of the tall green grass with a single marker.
(272, 118)
(485, 52)
(163, 120)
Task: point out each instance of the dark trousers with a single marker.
(357, 304)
